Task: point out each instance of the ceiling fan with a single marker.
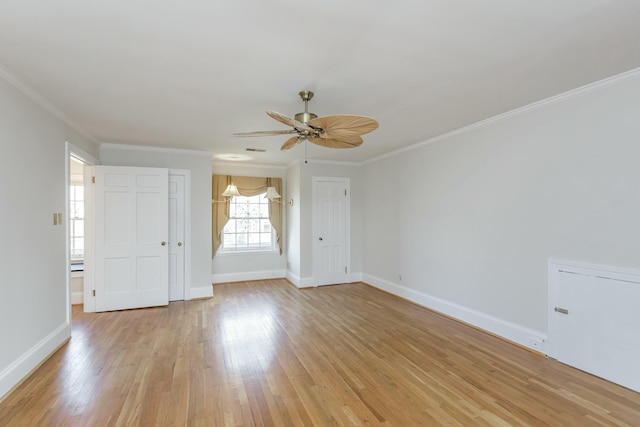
(336, 131)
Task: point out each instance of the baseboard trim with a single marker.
(307, 282)
(299, 282)
(22, 367)
(248, 275)
(77, 298)
(510, 331)
(355, 277)
(201, 292)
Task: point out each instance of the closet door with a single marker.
(131, 237)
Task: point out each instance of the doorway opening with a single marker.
(76, 228)
(77, 162)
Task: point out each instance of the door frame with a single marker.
(187, 229)
(75, 151)
(315, 224)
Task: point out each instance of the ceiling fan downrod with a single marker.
(305, 117)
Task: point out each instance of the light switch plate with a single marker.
(57, 218)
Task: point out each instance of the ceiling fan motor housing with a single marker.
(305, 117)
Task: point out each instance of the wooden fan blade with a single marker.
(344, 126)
(266, 133)
(355, 140)
(289, 121)
(335, 143)
(290, 143)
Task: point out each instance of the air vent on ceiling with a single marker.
(257, 150)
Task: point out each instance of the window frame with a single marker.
(273, 248)
(73, 201)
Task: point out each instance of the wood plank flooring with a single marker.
(267, 354)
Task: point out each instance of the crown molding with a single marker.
(564, 96)
(43, 102)
(241, 165)
(112, 145)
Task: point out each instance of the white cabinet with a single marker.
(594, 320)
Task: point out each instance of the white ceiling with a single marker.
(188, 74)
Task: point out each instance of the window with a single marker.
(76, 222)
(248, 228)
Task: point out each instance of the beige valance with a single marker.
(247, 186)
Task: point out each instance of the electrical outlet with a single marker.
(536, 343)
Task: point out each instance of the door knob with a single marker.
(320, 238)
(179, 243)
(163, 243)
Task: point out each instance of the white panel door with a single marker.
(593, 324)
(176, 237)
(131, 231)
(330, 232)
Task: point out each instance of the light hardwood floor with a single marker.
(265, 353)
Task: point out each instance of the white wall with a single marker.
(34, 302)
(483, 209)
(237, 267)
(199, 163)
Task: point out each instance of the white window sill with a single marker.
(248, 252)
